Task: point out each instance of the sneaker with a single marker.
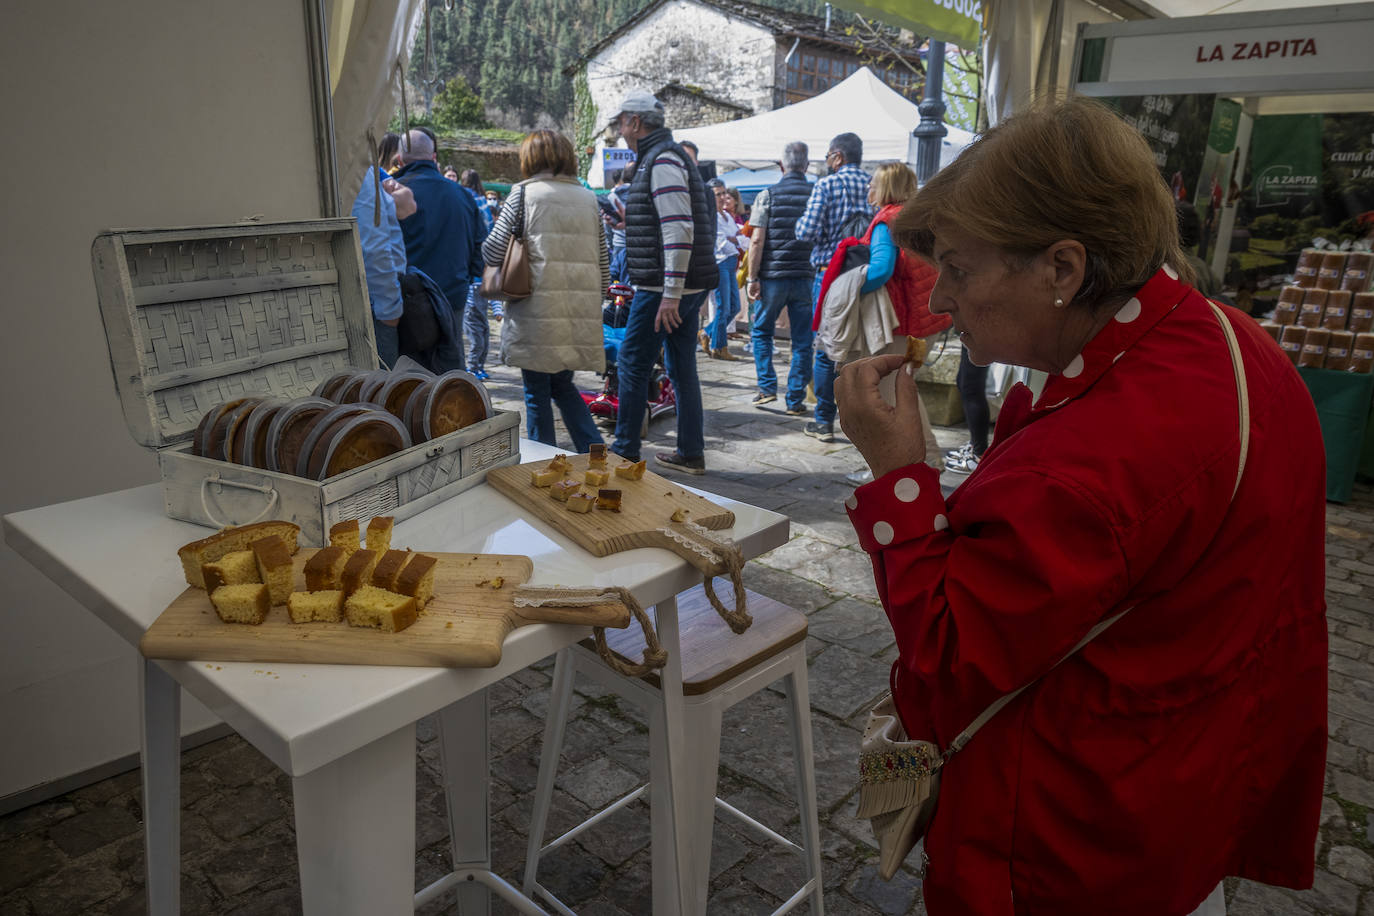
(725, 354)
(480, 374)
(763, 397)
(962, 464)
(705, 342)
(798, 411)
(962, 451)
(676, 461)
(822, 431)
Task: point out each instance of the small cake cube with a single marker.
(246, 603)
(324, 571)
(596, 455)
(389, 567)
(546, 477)
(417, 579)
(379, 534)
(325, 607)
(274, 567)
(630, 471)
(559, 463)
(357, 571)
(594, 477)
(608, 499)
(237, 568)
(371, 606)
(563, 489)
(345, 535)
(581, 502)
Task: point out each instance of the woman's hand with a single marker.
(888, 437)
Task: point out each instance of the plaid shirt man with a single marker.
(834, 200)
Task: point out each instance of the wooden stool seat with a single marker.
(711, 653)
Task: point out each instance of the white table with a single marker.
(346, 734)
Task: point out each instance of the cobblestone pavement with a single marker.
(82, 852)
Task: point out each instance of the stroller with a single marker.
(605, 405)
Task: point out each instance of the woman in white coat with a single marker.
(556, 330)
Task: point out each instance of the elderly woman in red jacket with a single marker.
(1186, 742)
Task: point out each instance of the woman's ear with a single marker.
(1067, 261)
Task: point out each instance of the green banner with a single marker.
(1286, 160)
(958, 22)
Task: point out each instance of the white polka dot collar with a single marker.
(1131, 322)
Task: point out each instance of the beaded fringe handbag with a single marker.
(899, 778)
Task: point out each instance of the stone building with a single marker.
(716, 60)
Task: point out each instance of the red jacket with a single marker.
(909, 286)
(1188, 741)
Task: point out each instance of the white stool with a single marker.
(714, 670)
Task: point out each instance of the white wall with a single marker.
(143, 113)
(697, 45)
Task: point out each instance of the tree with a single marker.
(457, 106)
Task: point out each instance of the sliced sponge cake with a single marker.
(324, 571)
(197, 553)
(241, 603)
(376, 607)
(417, 578)
(379, 533)
(274, 567)
(237, 568)
(357, 572)
(322, 606)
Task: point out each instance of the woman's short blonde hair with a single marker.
(547, 151)
(893, 183)
(1062, 170)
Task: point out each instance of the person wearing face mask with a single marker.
(1136, 565)
(730, 247)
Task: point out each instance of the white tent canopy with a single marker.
(862, 103)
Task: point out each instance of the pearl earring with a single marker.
(1058, 302)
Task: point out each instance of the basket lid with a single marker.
(198, 316)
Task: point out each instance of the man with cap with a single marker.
(670, 234)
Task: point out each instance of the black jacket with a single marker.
(643, 233)
(784, 255)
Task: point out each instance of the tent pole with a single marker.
(931, 130)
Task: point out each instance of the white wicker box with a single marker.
(195, 317)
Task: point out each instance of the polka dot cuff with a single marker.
(900, 506)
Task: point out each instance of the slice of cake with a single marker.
(357, 572)
(376, 607)
(379, 533)
(594, 477)
(305, 607)
(630, 471)
(545, 476)
(274, 567)
(608, 499)
(581, 502)
(596, 455)
(242, 603)
(559, 463)
(237, 568)
(197, 553)
(324, 571)
(388, 568)
(417, 578)
(345, 535)
(563, 489)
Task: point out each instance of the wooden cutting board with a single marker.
(647, 505)
(463, 626)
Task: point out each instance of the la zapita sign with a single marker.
(1275, 51)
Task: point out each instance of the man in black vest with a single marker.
(670, 240)
(780, 278)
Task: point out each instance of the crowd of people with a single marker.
(686, 245)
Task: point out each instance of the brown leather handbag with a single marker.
(513, 279)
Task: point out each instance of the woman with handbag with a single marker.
(554, 327)
(1112, 636)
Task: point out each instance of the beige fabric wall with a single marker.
(143, 113)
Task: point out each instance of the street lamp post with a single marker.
(931, 131)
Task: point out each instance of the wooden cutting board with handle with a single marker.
(463, 626)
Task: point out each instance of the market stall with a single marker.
(1284, 62)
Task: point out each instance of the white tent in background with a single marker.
(862, 103)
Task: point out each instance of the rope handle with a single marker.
(655, 656)
(266, 489)
(715, 556)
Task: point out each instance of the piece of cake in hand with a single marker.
(357, 572)
(379, 533)
(324, 571)
(196, 554)
(274, 567)
(307, 607)
(630, 471)
(417, 578)
(237, 568)
(345, 535)
(371, 606)
(242, 603)
(389, 567)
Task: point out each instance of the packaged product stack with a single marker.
(1325, 319)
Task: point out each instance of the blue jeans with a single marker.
(476, 329)
(388, 343)
(794, 295)
(636, 361)
(542, 391)
(619, 272)
(824, 373)
(727, 302)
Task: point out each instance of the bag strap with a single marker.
(1243, 398)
